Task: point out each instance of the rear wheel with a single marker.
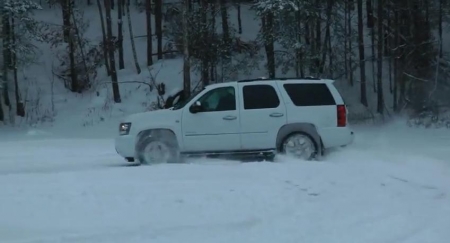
(300, 146)
(154, 150)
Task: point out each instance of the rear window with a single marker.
(260, 97)
(309, 94)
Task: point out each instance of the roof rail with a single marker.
(281, 79)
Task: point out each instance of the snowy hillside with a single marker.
(49, 103)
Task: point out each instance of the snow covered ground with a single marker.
(392, 185)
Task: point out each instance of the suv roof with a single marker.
(280, 79)
(299, 79)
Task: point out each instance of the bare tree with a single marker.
(133, 46)
(440, 28)
(267, 27)
(362, 63)
(350, 40)
(105, 49)
(148, 21)
(158, 30)
(20, 107)
(120, 33)
(6, 25)
(112, 61)
(225, 24)
(65, 6)
(186, 59)
(75, 87)
(380, 102)
(239, 19)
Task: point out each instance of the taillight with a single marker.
(341, 116)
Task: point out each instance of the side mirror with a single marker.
(196, 107)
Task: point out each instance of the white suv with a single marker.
(297, 117)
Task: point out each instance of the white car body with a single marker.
(242, 130)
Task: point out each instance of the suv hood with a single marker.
(157, 116)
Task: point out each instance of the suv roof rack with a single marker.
(281, 79)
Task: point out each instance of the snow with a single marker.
(391, 185)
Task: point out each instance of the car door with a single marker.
(216, 127)
(262, 114)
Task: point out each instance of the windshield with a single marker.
(183, 103)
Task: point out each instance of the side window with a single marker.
(220, 99)
(309, 94)
(260, 97)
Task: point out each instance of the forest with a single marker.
(392, 56)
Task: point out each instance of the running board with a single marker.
(240, 154)
(237, 152)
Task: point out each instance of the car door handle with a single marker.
(276, 115)
(229, 118)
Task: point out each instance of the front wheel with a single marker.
(156, 151)
(300, 146)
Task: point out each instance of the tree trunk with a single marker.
(80, 45)
(346, 50)
(120, 33)
(5, 23)
(75, 87)
(158, 23)
(148, 21)
(395, 54)
(362, 63)
(205, 56)
(225, 26)
(133, 47)
(186, 59)
(440, 28)
(212, 32)
(372, 38)
(105, 49)
(73, 75)
(2, 114)
(307, 31)
(318, 40)
(65, 6)
(6, 57)
(380, 98)
(267, 26)
(350, 46)
(386, 33)
(369, 8)
(331, 56)
(112, 61)
(325, 49)
(20, 107)
(239, 16)
(370, 24)
(299, 51)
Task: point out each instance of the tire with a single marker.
(157, 150)
(300, 146)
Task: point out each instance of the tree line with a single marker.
(389, 48)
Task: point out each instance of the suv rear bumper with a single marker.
(336, 136)
(125, 146)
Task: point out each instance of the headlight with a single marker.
(124, 128)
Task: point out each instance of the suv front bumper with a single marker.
(125, 146)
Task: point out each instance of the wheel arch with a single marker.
(308, 128)
(157, 132)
